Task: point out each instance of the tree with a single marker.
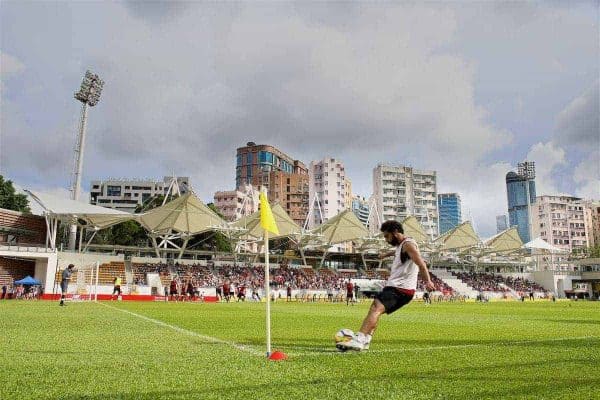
(10, 200)
(211, 240)
(595, 251)
(129, 233)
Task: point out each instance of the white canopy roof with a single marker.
(186, 214)
(343, 227)
(541, 244)
(76, 211)
(504, 242)
(460, 238)
(250, 225)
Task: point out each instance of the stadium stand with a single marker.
(13, 270)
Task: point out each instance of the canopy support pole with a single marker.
(90, 241)
(183, 247)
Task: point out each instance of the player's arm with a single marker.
(415, 255)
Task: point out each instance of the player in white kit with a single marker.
(400, 286)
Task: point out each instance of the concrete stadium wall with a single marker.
(148, 260)
(85, 259)
(45, 263)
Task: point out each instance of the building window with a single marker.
(113, 190)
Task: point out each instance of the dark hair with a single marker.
(71, 266)
(392, 226)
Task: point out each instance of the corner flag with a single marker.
(267, 222)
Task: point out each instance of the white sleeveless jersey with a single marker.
(404, 274)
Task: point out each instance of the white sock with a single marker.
(368, 338)
(361, 337)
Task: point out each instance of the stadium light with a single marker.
(88, 95)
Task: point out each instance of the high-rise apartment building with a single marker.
(401, 191)
(126, 194)
(327, 184)
(560, 221)
(285, 179)
(234, 204)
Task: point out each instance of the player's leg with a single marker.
(370, 322)
(362, 339)
(63, 292)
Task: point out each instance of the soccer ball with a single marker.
(342, 337)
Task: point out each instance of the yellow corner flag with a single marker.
(267, 222)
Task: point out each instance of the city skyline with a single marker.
(376, 93)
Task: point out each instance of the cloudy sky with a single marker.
(464, 88)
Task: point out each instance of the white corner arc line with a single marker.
(206, 338)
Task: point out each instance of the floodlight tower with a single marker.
(88, 95)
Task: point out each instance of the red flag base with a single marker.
(278, 356)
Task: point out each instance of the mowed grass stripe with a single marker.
(209, 339)
(86, 351)
(328, 351)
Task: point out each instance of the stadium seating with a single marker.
(108, 272)
(13, 270)
(486, 282)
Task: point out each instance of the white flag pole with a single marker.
(268, 293)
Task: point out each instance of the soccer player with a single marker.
(400, 286)
(173, 290)
(190, 291)
(426, 298)
(349, 292)
(64, 282)
(116, 288)
(255, 295)
(226, 289)
(241, 295)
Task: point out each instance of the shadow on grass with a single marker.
(468, 383)
(425, 343)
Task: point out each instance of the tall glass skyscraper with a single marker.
(501, 224)
(449, 209)
(517, 186)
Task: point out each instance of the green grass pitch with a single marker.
(118, 350)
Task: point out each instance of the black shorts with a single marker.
(117, 289)
(392, 299)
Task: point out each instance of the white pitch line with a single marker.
(206, 338)
(331, 351)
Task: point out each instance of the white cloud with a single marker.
(587, 177)
(10, 65)
(484, 197)
(365, 83)
(547, 157)
(578, 124)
